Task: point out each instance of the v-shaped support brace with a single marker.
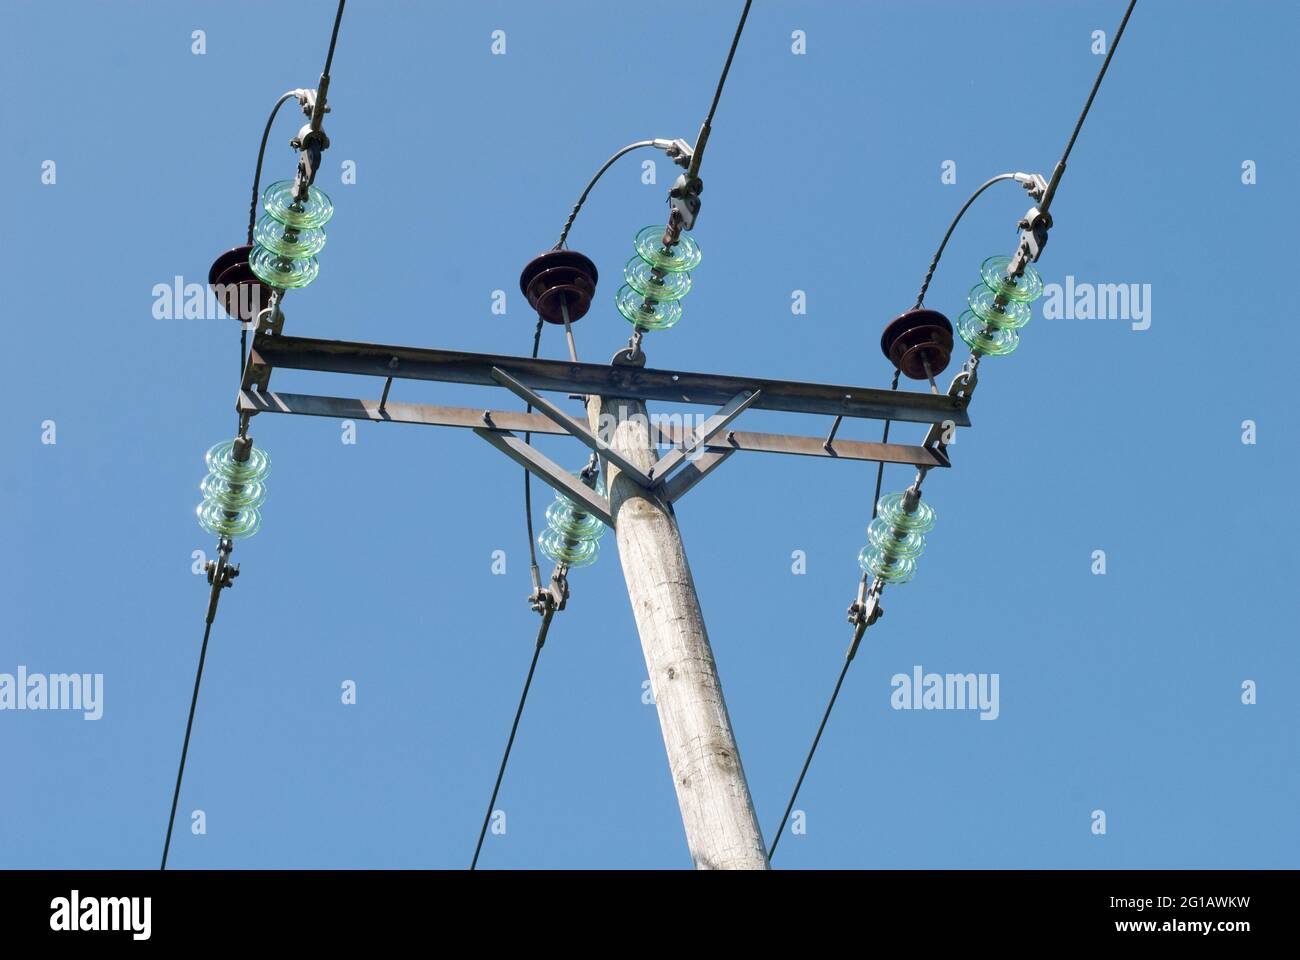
(550, 472)
(711, 427)
(570, 425)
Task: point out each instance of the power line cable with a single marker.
(514, 728)
(573, 215)
(794, 794)
(1083, 114)
(698, 156)
(862, 624)
(726, 67)
(220, 574)
(934, 263)
(185, 747)
(780, 830)
(261, 154)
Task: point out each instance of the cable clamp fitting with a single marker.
(219, 570)
(553, 597)
(221, 575)
(679, 151)
(866, 609)
(1034, 183)
(1033, 235)
(866, 612)
(310, 144)
(684, 200)
(307, 100)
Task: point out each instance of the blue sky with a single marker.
(1119, 692)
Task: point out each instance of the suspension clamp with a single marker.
(221, 574)
(553, 597)
(684, 200)
(310, 144)
(219, 570)
(1033, 236)
(867, 613)
(866, 609)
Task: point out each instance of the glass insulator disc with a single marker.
(648, 315)
(1025, 288)
(1011, 315)
(982, 338)
(641, 277)
(682, 258)
(283, 273)
(292, 242)
(315, 211)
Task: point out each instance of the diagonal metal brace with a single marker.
(550, 472)
(570, 425)
(693, 473)
(711, 427)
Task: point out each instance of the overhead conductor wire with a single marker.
(862, 623)
(225, 545)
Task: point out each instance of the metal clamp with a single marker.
(221, 575)
(684, 200)
(310, 143)
(306, 98)
(552, 598)
(679, 151)
(866, 609)
(1034, 183)
(1033, 236)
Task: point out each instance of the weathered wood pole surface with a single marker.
(717, 811)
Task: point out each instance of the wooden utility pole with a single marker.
(717, 812)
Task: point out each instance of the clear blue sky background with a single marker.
(1119, 693)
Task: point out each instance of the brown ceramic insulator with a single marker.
(559, 278)
(916, 338)
(239, 287)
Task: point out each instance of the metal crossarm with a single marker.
(453, 366)
(345, 408)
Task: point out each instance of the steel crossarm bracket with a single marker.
(344, 408)
(694, 471)
(535, 462)
(643, 383)
(589, 439)
(708, 430)
(379, 411)
(840, 449)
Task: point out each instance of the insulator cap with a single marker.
(915, 338)
(559, 276)
(242, 294)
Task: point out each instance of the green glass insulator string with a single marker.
(657, 279)
(572, 536)
(233, 492)
(289, 235)
(998, 308)
(895, 539)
